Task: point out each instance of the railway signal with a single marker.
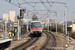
(22, 11)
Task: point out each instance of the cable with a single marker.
(30, 5)
(12, 3)
(50, 6)
(17, 1)
(45, 6)
(48, 2)
(27, 2)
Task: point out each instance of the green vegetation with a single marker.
(12, 31)
(23, 30)
(53, 29)
(13, 37)
(58, 30)
(45, 28)
(15, 34)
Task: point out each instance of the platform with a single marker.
(5, 43)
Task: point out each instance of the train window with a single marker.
(36, 25)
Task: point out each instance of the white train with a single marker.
(35, 28)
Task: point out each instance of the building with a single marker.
(12, 16)
(5, 17)
(25, 21)
(52, 20)
(44, 22)
(71, 27)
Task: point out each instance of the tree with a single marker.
(34, 17)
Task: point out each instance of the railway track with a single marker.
(50, 42)
(26, 44)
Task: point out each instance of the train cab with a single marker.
(36, 28)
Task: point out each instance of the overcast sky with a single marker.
(5, 7)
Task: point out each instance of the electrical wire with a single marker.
(45, 6)
(30, 5)
(12, 3)
(17, 1)
(50, 7)
(27, 2)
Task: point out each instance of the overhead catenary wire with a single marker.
(17, 1)
(27, 2)
(50, 7)
(15, 4)
(46, 7)
(44, 4)
(30, 5)
(12, 3)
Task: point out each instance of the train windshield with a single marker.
(36, 25)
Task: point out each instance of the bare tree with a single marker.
(34, 17)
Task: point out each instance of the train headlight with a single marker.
(40, 30)
(32, 32)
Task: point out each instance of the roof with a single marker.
(70, 23)
(6, 40)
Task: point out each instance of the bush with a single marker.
(23, 30)
(12, 31)
(50, 28)
(45, 28)
(59, 30)
(54, 29)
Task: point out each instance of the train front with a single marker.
(36, 28)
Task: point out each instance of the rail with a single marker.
(26, 44)
(46, 32)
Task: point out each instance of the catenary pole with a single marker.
(27, 21)
(19, 28)
(56, 22)
(66, 18)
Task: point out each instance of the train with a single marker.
(35, 28)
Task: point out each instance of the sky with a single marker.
(5, 7)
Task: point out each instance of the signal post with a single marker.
(21, 15)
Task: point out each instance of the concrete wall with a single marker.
(73, 29)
